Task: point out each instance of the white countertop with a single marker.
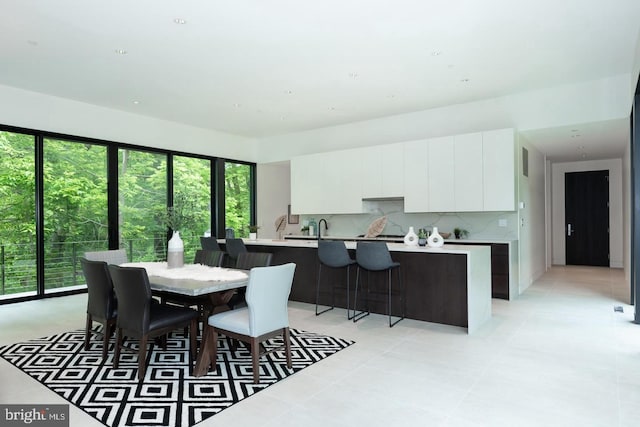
(447, 241)
(393, 247)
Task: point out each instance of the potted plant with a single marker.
(253, 232)
(460, 232)
(422, 237)
(305, 230)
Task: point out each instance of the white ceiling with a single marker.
(261, 68)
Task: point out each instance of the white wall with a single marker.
(558, 170)
(273, 197)
(532, 213)
(32, 110)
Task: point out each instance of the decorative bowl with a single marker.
(444, 235)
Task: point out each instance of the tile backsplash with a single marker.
(480, 225)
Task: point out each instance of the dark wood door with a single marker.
(587, 218)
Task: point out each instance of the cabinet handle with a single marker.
(569, 230)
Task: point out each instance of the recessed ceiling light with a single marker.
(332, 108)
(237, 105)
(574, 130)
(32, 42)
(353, 75)
(288, 92)
(121, 51)
(436, 53)
(464, 80)
(577, 135)
(136, 102)
(179, 21)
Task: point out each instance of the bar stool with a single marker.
(375, 257)
(333, 254)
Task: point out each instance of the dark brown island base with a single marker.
(449, 285)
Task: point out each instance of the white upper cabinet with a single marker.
(382, 171)
(499, 175)
(463, 173)
(416, 176)
(326, 183)
(468, 188)
(440, 184)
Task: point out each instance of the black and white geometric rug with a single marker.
(168, 396)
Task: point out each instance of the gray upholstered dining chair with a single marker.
(266, 315)
(212, 258)
(139, 318)
(113, 256)
(101, 301)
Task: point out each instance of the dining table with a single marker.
(218, 284)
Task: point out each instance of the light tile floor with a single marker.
(556, 356)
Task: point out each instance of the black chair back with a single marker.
(134, 298)
(333, 253)
(374, 256)
(209, 243)
(101, 301)
(248, 260)
(210, 258)
(234, 248)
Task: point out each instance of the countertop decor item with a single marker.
(376, 227)
(411, 239)
(175, 251)
(460, 233)
(281, 223)
(435, 240)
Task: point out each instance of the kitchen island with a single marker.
(449, 285)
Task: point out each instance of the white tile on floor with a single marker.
(557, 355)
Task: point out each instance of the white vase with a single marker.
(175, 251)
(253, 236)
(411, 239)
(435, 240)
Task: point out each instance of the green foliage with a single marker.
(75, 206)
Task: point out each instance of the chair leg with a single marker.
(213, 344)
(142, 358)
(357, 316)
(116, 356)
(87, 332)
(318, 294)
(193, 331)
(349, 316)
(401, 293)
(287, 346)
(255, 355)
(105, 339)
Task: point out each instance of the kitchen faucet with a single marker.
(326, 227)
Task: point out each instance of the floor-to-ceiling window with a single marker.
(142, 203)
(17, 215)
(192, 194)
(65, 195)
(238, 179)
(75, 208)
